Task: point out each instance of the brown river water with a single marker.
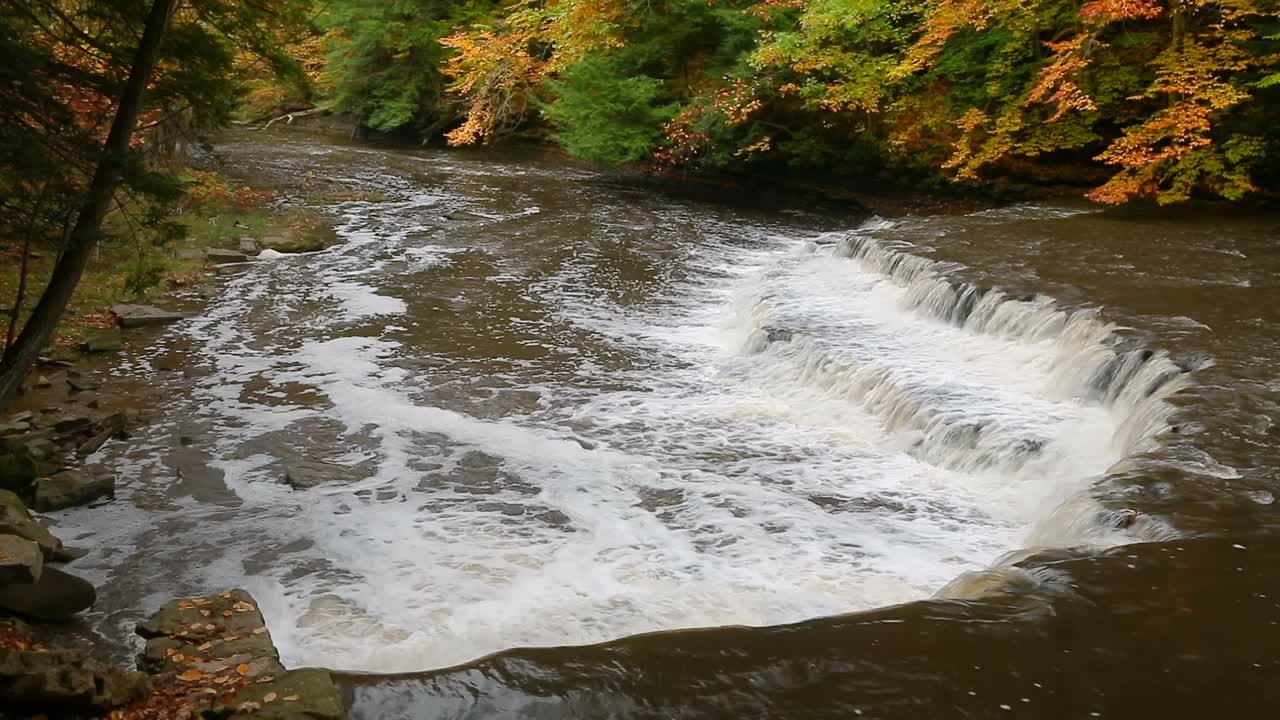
(618, 454)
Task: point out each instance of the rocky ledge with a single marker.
(206, 658)
(212, 657)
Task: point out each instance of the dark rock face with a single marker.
(70, 488)
(306, 474)
(65, 681)
(56, 596)
(221, 642)
(216, 255)
(18, 467)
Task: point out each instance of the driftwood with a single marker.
(289, 116)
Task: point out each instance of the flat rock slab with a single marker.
(142, 315)
(70, 488)
(215, 657)
(20, 561)
(307, 474)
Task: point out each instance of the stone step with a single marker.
(214, 656)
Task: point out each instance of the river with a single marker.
(1036, 445)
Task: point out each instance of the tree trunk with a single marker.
(19, 357)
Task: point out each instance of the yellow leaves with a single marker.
(269, 697)
(1105, 11)
(190, 675)
(242, 669)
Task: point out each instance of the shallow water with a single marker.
(576, 412)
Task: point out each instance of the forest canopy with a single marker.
(1140, 98)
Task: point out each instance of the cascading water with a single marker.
(568, 424)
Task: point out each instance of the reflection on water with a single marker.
(577, 412)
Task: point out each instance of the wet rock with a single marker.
(20, 560)
(15, 519)
(142, 315)
(248, 245)
(306, 474)
(70, 488)
(42, 382)
(14, 428)
(464, 216)
(111, 426)
(55, 597)
(72, 424)
(79, 384)
(104, 341)
(215, 255)
(221, 642)
(64, 681)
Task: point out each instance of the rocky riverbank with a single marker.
(205, 657)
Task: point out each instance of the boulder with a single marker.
(79, 384)
(64, 682)
(16, 520)
(20, 560)
(70, 488)
(55, 597)
(248, 245)
(42, 382)
(141, 315)
(218, 256)
(307, 474)
(103, 341)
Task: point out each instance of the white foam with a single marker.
(720, 476)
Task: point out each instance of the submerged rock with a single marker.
(64, 681)
(141, 315)
(104, 341)
(306, 474)
(20, 560)
(220, 643)
(70, 488)
(55, 596)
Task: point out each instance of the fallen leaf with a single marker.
(205, 646)
(267, 679)
(291, 698)
(191, 675)
(259, 631)
(242, 668)
(179, 657)
(250, 706)
(227, 613)
(269, 697)
(220, 680)
(169, 652)
(226, 595)
(206, 613)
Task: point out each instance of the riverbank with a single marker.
(75, 403)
